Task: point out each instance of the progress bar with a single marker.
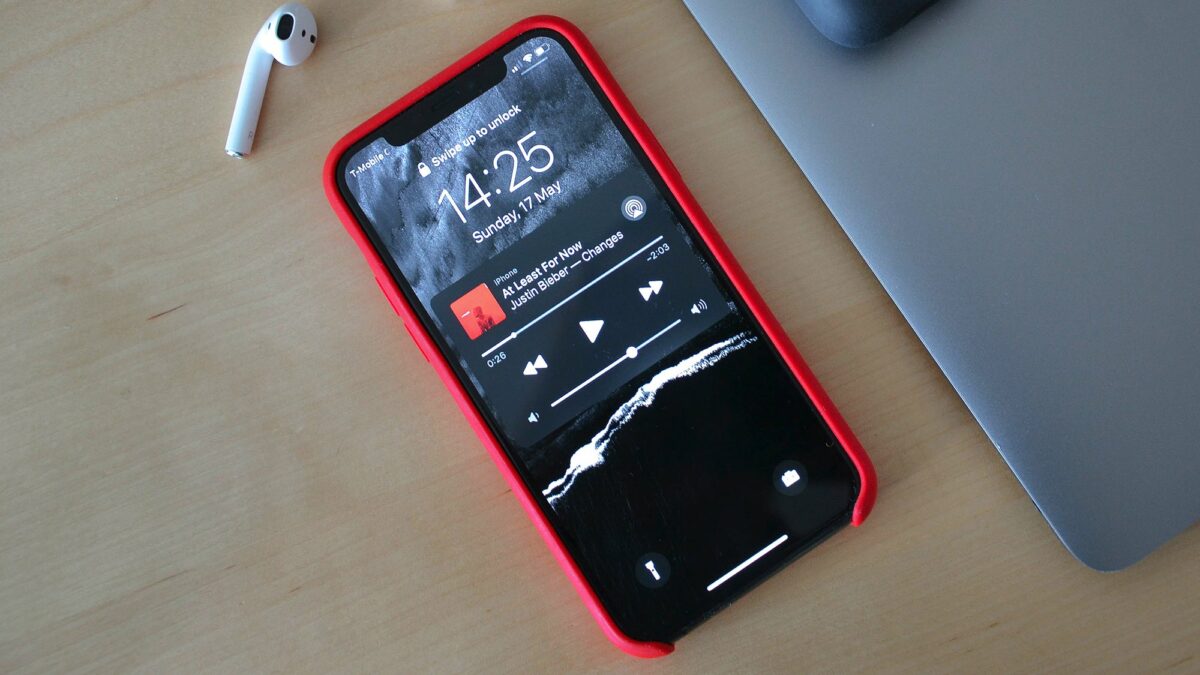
(522, 329)
(748, 562)
(630, 353)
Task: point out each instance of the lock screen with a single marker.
(673, 451)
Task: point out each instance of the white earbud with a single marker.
(288, 36)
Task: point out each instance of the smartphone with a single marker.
(648, 410)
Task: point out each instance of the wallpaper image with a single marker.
(429, 242)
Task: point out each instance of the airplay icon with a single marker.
(633, 208)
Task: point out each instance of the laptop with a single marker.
(1024, 179)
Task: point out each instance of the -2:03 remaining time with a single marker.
(539, 158)
(658, 252)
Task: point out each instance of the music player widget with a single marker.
(564, 316)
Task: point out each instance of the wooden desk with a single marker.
(220, 451)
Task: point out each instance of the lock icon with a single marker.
(423, 169)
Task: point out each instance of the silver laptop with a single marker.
(1024, 178)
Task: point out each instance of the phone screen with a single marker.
(673, 451)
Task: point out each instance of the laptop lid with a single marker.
(1023, 178)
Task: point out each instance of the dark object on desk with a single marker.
(858, 23)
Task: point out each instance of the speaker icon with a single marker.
(700, 306)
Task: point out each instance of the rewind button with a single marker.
(532, 367)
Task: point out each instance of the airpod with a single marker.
(287, 36)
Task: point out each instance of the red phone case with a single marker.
(866, 496)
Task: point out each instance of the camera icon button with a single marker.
(790, 478)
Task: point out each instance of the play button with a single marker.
(591, 329)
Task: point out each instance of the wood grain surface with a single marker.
(219, 450)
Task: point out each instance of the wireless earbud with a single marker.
(288, 36)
